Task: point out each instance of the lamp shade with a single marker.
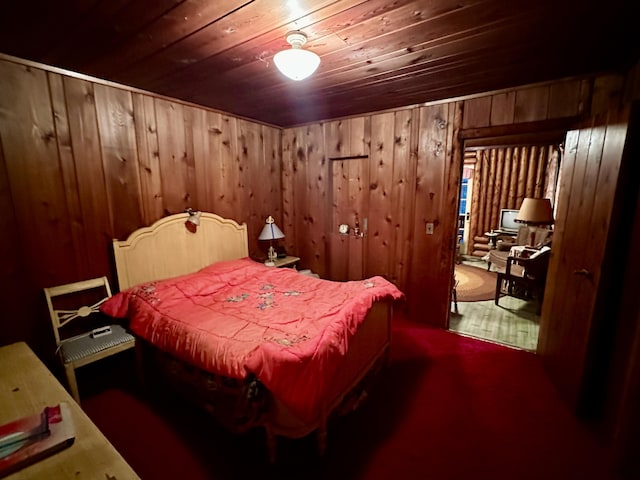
(296, 63)
(535, 211)
(270, 231)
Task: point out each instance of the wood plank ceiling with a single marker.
(376, 54)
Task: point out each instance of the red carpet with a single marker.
(448, 407)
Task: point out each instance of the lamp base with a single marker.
(271, 257)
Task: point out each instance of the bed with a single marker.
(256, 346)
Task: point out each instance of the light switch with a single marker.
(430, 228)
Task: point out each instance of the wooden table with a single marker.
(26, 388)
(492, 236)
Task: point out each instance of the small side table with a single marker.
(492, 236)
(287, 261)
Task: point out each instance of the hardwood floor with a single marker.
(514, 322)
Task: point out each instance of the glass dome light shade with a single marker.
(296, 63)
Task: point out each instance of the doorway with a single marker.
(499, 176)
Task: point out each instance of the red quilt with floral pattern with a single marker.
(239, 317)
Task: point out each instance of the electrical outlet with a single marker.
(430, 228)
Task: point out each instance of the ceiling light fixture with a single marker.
(296, 63)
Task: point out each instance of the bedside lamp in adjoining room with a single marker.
(270, 232)
(535, 212)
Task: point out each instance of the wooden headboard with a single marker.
(167, 249)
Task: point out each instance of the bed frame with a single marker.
(167, 249)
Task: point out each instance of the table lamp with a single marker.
(271, 232)
(535, 212)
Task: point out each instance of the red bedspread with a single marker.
(239, 317)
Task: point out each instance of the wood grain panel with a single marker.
(449, 219)
(381, 231)
(478, 112)
(223, 137)
(272, 139)
(67, 167)
(268, 193)
(149, 158)
(95, 220)
(594, 153)
(337, 145)
(316, 184)
(226, 23)
(565, 99)
(402, 193)
(259, 179)
(289, 204)
(197, 119)
(359, 198)
(250, 168)
(301, 199)
(532, 104)
(503, 107)
(17, 295)
(174, 159)
(426, 285)
(119, 158)
(174, 25)
(33, 169)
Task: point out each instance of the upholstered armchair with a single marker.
(497, 258)
(528, 280)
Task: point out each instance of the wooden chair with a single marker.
(527, 282)
(87, 344)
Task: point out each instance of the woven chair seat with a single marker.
(83, 346)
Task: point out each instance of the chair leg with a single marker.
(498, 288)
(71, 381)
(455, 299)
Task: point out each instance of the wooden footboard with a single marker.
(242, 404)
(368, 352)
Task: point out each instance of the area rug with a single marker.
(474, 284)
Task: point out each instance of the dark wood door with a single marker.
(349, 207)
(349, 201)
(588, 183)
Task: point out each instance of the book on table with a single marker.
(29, 439)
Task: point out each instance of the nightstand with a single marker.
(287, 261)
(492, 236)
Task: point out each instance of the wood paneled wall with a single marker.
(410, 161)
(87, 161)
(413, 174)
(83, 162)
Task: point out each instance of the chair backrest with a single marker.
(538, 264)
(62, 317)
